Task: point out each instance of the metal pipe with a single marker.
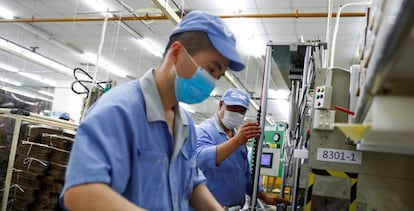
(163, 17)
(10, 165)
(305, 72)
(292, 110)
(296, 184)
(131, 10)
(295, 15)
(49, 37)
(291, 123)
(263, 105)
(328, 28)
(335, 32)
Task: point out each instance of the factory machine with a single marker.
(348, 143)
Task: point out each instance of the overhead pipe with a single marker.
(328, 33)
(49, 37)
(331, 50)
(163, 17)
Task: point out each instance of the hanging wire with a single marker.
(86, 84)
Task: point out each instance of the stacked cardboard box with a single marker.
(39, 170)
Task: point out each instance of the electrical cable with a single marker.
(86, 83)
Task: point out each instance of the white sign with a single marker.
(339, 156)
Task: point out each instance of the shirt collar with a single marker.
(180, 129)
(152, 98)
(153, 102)
(217, 124)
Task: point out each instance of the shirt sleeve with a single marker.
(198, 176)
(205, 150)
(101, 148)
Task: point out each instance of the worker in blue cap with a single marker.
(135, 149)
(222, 152)
(64, 116)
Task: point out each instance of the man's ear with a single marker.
(221, 104)
(174, 51)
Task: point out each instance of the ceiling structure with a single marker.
(69, 32)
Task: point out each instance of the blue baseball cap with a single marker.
(65, 116)
(218, 32)
(236, 97)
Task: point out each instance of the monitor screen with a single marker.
(266, 160)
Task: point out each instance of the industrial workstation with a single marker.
(283, 105)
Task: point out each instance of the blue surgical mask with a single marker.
(197, 88)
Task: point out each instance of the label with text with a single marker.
(339, 156)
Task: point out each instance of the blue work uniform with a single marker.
(229, 181)
(125, 142)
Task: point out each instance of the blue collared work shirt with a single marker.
(229, 181)
(125, 142)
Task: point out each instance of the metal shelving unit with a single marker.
(19, 118)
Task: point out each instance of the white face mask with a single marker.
(232, 119)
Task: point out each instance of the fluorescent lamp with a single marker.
(247, 40)
(98, 6)
(115, 70)
(38, 78)
(252, 46)
(150, 47)
(15, 83)
(6, 14)
(24, 93)
(34, 57)
(232, 6)
(91, 58)
(46, 93)
(8, 68)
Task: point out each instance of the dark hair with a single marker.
(193, 41)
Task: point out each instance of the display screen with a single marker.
(266, 160)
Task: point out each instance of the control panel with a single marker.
(323, 97)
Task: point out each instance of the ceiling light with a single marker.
(247, 40)
(38, 78)
(15, 83)
(46, 93)
(99, 6)
(24, 93)
(34, 57)
(232, 6)
(91, 58)
(8, 68)
(6, 14)
(114, 69)
(150, 47)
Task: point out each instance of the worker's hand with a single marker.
(247, 131)
(273, 200)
